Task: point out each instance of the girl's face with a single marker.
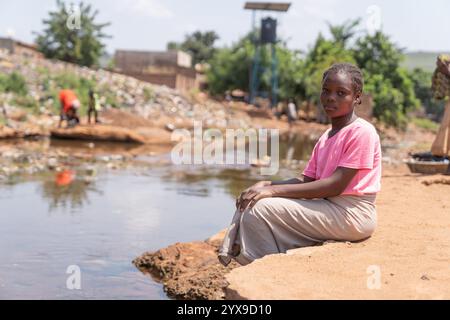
(338, 97)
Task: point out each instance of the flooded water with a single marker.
(101, 224)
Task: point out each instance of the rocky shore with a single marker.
(188, 270)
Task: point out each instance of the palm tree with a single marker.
(344, 32)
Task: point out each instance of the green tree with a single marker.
(200, 45)
(290, 73)
(322, 55)
(393, 89)
(422, 83)
(230, 68)
(73, 36)
(344, 32)
(389, 84)
(305, 75)
(13, 83)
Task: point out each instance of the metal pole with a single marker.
(255, 74)
(274, 76)
(253, 23)
(254, 66)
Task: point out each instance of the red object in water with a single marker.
(64, 178)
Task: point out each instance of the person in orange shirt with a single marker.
(69, 106)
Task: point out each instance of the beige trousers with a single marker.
(275, 225)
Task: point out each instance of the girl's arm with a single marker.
(304, 179)
(262, 184)
(323, 188)
(329, 187)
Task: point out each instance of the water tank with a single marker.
(268, 30)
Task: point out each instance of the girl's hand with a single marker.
(259, 184)
(253, 195)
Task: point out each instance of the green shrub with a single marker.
(426, 124)
(148, 94)
(26, 102)
(14, 83)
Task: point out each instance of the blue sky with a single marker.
(150, 24)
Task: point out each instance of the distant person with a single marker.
(94, 106)
(69, 108)
(278, 110)
(228, 97)
(5, 114)
(291, 112)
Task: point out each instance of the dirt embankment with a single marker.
(188, 270)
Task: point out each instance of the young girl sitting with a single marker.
(334, 199)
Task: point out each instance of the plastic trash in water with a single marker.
(65, 177)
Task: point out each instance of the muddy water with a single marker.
(101, 224)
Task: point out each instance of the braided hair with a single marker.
(353, 71)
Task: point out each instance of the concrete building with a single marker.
(18, 47)
(170, 68)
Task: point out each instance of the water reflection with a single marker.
(296, 147)
(194, 181)
(234, 179)
(104, 147)
(67, 191)
(119, 215)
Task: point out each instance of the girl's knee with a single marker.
(263, 207)
(258, 212)
(363, 232)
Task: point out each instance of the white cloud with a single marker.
(305, 19)
(149, 8)
(293, 13)
(322, 10)
(191, 27)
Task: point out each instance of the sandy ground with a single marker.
(408, 257)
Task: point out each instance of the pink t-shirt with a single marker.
(356, 146)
